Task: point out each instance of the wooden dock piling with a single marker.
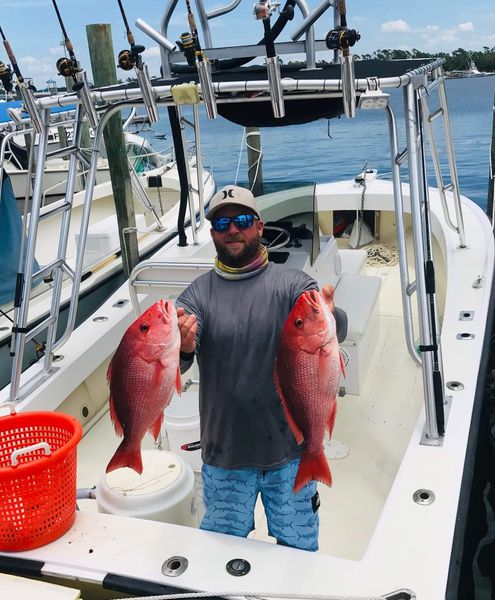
(255, 166)
(105, 73)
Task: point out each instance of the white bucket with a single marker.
(163, 492)
(181, 422)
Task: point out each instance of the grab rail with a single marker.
(134, 282)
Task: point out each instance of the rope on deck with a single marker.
(380, 255)
(288, 596)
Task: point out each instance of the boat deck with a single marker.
(375, 427)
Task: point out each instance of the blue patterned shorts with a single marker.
(230, 497)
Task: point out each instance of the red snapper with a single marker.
(142, 376)
(307, 380)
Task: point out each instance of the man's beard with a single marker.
(242, 259)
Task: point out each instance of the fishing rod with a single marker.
(341, 38)
(189, 43)
(69, 67)
(13, 61)
(263, 10)
(24, 89)
(131, 59)
(128, 59)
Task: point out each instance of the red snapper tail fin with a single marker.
(313, 467)
(126, 456)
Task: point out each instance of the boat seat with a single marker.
(353, 261)
(358, 295)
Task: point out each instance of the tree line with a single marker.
(456, 60)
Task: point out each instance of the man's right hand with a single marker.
(187, 328)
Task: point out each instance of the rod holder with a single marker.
(31, 107)
(155, 35)
(348, 85)
(207, 92)
(311, 18)
(146, 88)
(275, 83)
(84, 95)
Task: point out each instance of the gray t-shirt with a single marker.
(239, 326)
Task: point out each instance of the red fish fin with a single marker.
(156, 427)
(109, 372)
(312, 468)
(342, 366)
(126, 456)
(290, 420)
(119, 430)
(158, 373)
(178, 382)
(331, 419)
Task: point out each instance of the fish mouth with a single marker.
(167, 310)
(313, 298)
(316, 302)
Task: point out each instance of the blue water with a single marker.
(322, 151)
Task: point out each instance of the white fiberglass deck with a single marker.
(375, 426)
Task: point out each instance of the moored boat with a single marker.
(419, 324)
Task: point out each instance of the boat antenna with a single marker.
(25, 90)
(69, 67)
(131, 59)
(342, 39)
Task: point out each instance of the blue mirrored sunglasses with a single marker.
(221, 224)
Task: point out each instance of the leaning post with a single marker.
(104, 73)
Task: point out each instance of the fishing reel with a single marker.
(341, 38)
(189, 45)
(67, 67)
(6, 76)
(128, 59)
(265, 9)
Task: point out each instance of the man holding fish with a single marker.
(267, 349)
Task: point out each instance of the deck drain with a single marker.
(455, 386)
(465, 336)
(120, 303)
(100, 319)
(174, 566)
(238, 567)
(424, 497)
(335, 450)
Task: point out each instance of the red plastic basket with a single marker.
(38, 454)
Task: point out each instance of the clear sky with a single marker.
(32, 29)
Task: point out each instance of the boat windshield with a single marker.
(294, 211)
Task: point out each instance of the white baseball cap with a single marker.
(232, 194)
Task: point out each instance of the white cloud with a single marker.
(40, 69)
(395, 26)
(151, 52)
(466, 26)
(427, 29)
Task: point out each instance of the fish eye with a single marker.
(298, 322)
(144, 327)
